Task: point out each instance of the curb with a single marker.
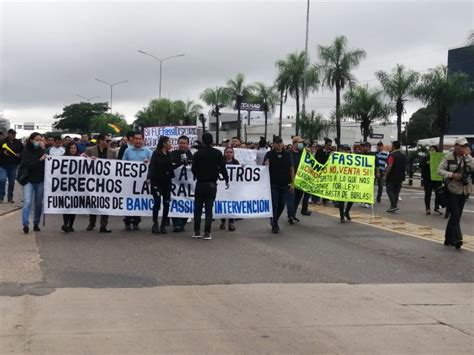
(10, 211)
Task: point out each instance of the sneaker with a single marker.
(36, 228)
(437, 211)
(26, 229)
(275, 229)
(393, 209)
(306, 213)
(291, 220)
(207, 236)
(222, 226)
(367, 205)
(458, 244)
(296, 219)
(196, 235)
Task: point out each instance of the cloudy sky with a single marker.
(51, 51)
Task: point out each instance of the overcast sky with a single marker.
(52, 51)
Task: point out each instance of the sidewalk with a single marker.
(7, 207)
(259, 318)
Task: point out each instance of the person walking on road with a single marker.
(395, 175)
(71, 150)
(229, 160)
(456, 167)
(345, 208)
(282, 176)
(429, 185)
(382, 157)
(208, 163)
(10, 157)
(160, 174)
(32, 167)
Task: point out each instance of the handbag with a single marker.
(22, 175)
(442, 195)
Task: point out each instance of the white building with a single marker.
(25, 129)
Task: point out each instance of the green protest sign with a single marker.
(344, 177)
(435, 160)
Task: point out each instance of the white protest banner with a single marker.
(151, 135)
(244, 156)
(76, 185)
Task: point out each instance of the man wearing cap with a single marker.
(456, 167)
(395, 175)
(10, 150)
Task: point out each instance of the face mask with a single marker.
(36, 144)
(300, 146)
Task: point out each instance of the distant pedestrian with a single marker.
(71, 150)
(32, 168)
(229, 160)
(10, 157)
(128, 144)
(456, 167)
(160, 174)
(382, 157)
(262, 150)
(57, 149)
(395, 175)
(208, 163)
(282, 176)
(429, 185)
(345, 208)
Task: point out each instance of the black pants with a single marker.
(279, 198)
(379, 187)
(429, 187)
(453, 229)
(340, 204)
(204, 195)
(103, 220)
(132, 220)
(68, 219)
(293, 201)
(393, 191)
(159, 193)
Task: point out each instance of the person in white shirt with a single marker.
(57, 149)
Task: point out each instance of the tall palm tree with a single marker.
(192, 111)
(216, 98)
(294, 69)
(269, 97)
(281, 83)
(313, 126)
(238, 91)
(398, 86)
(442, 90)
(366, 107)
(336, 65)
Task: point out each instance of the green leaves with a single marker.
(162, 112)
(77, 117)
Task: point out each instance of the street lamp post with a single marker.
(303, 106)
(161, 60)
(88, 99)
(111, 89)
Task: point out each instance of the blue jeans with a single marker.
(279, 196)
(7, 172)
(29, 190)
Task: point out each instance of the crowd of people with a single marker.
(25, 162)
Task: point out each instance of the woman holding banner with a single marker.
(31, 171)
(72, 150)
(229, 160)
(160, 173)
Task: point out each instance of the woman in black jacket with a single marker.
(229, 160)
(72, 150)
(160, 173)
(429, 185)
(32, 165)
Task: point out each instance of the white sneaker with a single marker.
(207, 236)
(196, 235)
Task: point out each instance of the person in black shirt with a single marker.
(72, 150)
(429, 185)
(395, 175)
(123, 147)
(181, 156)
(282, 176)
(229, 160)
(208, 163)
(10, 157)
(160, 173)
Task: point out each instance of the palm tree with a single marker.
(365, 106)
(192, 111)
(281, 83)
(269, 97)
(470, 39)
(216, 98)
(294, 73)
(336, 65)
(398, 86)
(238, 91)
(314, 126)
(441, 91)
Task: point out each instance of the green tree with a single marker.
(281, 83)
(191, 112)
(216, 98)
(442, 91)
(366, 107)
(336, 64)
(100, 124)
(76, 118)
(268, 96)
(313, 126)
(398, 86)
(294, 73)
(422, 124)
(161, 112)
(239, 92)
